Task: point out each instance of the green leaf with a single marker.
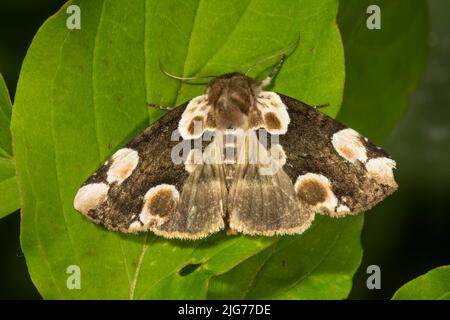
(382, 66)
(9, 195)
(317, 265)
(433, 285)
(83, 93)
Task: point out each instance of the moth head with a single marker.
(231, 97)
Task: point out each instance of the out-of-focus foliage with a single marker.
(9, 195)
(414, 223)
(382, 66)
(434, 285)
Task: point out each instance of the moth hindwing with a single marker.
(237, 158)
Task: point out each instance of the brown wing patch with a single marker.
(159, 205)
(312, 192)
(196, 125)
(162, 202)
(315, 190)
(271, 121)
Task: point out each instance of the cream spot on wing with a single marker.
(195, 118)
(271, 98)
(195, 127)
(136, 226)
(273, 112)
(381, 169)
(90, 197)
(124, 161)
(159, 203)
(315, 190)
(342, 209)
(348, 144)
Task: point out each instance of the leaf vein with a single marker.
(139, 265)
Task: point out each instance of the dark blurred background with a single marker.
(406, 236)
(409, 234)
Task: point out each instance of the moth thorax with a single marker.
(232, 96)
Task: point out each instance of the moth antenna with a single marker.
(161, 66)
(284, 52)
(160, 107)
(273, 73)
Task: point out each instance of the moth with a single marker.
(316, 166)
